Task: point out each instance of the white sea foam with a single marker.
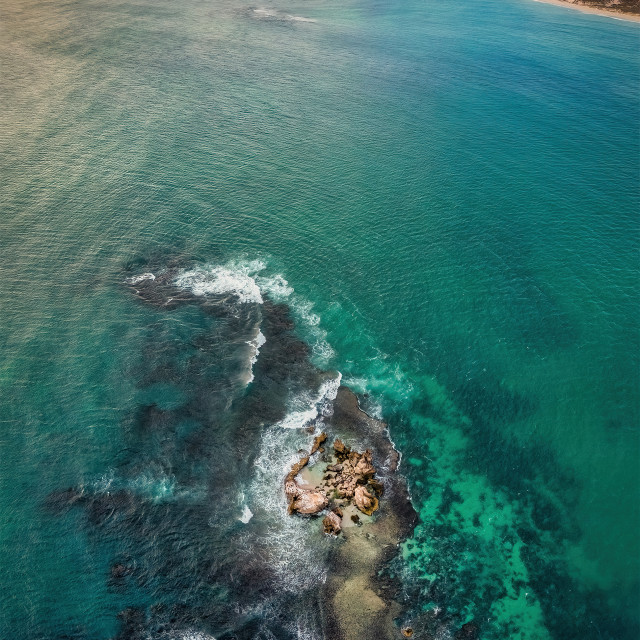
(104, 483)
(155, 487)
(140, 278)
(298, 419)
(247, 514)
(317, 336)
(245, 281)
(279, 290)
(316, 406)
(303, 311)
(299, 562)
(276, 286)
(299, 19)
(363, 385)
(193, 635)
(266, 13)
(256, 343)
(277, 15)
(234, 278)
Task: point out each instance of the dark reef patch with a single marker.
(569, 611)
(167, 515)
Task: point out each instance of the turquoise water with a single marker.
(449, 190)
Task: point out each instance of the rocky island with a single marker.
(345, 484)
(347, 481)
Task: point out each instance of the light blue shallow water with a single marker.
(451, 193)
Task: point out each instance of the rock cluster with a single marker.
(305, 501)
(349, 480)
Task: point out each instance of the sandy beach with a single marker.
(609, 13)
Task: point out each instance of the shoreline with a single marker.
(585, 8)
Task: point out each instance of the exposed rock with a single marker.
(346, 480)
(366, 502)
(318, 440)
(407, 632)
(359, 607)
(377, 487)
(351, 480)
(341, 451)
(364, 467)
(302, 500)
(332, 523)
(309, 502)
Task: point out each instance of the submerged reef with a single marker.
(199, 536)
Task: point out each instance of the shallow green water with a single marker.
(451, 192)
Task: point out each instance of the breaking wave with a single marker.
(140, 278)
(246, 282)
(256, 343)
(293, 546)
(232, 279)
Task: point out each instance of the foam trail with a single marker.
(276, 286)
(318, 406)
(256, 343)
(270, 13)
(280, 291)
(194, 635)
(141, 278)
(234, 278)
(247, 514)
(300, 563)
(243, 280)
(151, 485)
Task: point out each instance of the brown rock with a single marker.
(332, 524)
(365, 501)
(347, 488)
(309, 502)
(318, 440)
(302, 500)
(407, 632)
(378, 487)
(363, 466)
(342, 452)
(295, 470)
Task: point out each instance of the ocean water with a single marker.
(433, 203)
